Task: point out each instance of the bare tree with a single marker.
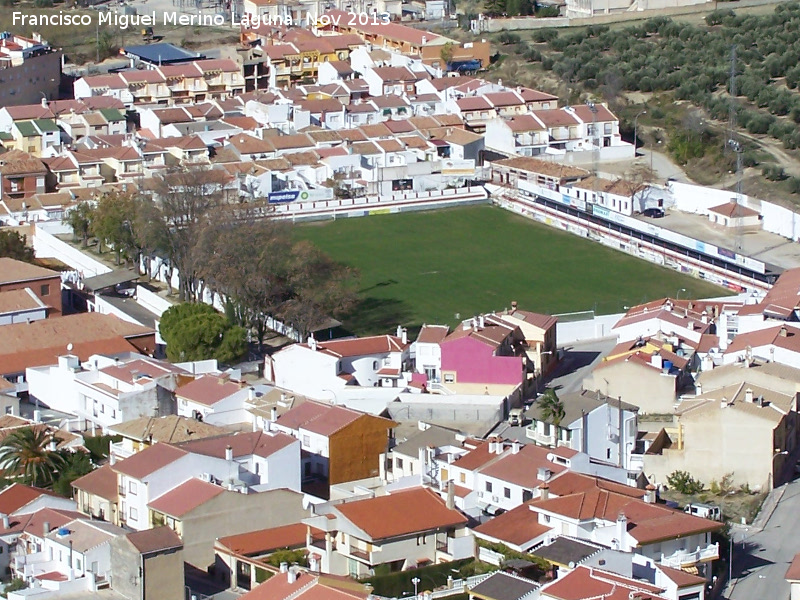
(186, 198)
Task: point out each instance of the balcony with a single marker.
(685, 558)
(121, 449)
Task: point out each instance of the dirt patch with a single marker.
(735, 505)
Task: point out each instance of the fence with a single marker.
(374, 205)
(490, 556)
(46, 245)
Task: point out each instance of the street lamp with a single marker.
(730, 552)
(636, 130)
(415, 581)
(678, 294)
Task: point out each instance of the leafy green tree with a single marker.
(25, 454)
(80, 218)
(198, 332)
(113, 222)
(446, 53)
(73, 465)
(683, 482)
(13, 245)
(551, 407)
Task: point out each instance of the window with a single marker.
(134, 514)
(449, 378)
(489, 486)
(462, 477)
(507, 492)
(546, 518)
(45, 289)
(132, 487)
(608, 453)
(306, 440)
(398, 462)
(374, 365)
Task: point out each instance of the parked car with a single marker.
(653, 213)
(516, 417)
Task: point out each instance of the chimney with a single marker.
(515, 447)
(748, 395)
(404, 336)
(53, 445)
(6, 524)
(622, 532)
(783, 332)
(481, 322)
(424, 40)
(544, 491)
(656, 360)
(668, 305)
(291, 575)
(284, 567)
(698, 389)
(451, 496)
(312, 343)
(723, 403)
(492, 445)
(45, 528)
(499, 446)
(228, 453)
(650, 494)
(273, 414)
(513, 305)
(399, 331)
(44, 102)
(37, 416)
(112, 459)
(704, 317)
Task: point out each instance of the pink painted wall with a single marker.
(473, 362)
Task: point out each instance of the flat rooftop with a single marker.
(161, 54)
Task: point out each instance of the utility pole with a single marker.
(732, 100)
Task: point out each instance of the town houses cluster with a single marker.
(332, 462)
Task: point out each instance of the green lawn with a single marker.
(438, 267)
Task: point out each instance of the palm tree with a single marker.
(550, 407)
(25, 454)
(73, 465)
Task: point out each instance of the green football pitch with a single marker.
(442, 266)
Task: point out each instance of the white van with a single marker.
(516, 417)
(706, 511)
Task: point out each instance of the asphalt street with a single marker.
(761, 556)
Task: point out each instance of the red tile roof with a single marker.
(323, 419)
(12, 271)
(209, 389)
(432, 334)
(377, 344)
(101, 482)
(18, 495)
(522, 468)
(392, 515)
(41, 342)
(584, 583)
(184, 498)
(154, 540)
(256, 543)
(793, 573)
(519, 527)
(149, 460)
(258, 443)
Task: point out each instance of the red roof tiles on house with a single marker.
(185, 497)
(149, 460)
(255, 543)
(390, 516)
(519, 527)
(154, 540)
(209, 389)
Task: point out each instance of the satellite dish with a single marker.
(69, 347)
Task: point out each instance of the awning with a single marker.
(107, 280)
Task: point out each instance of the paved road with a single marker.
(759, 569)
(578, 361)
